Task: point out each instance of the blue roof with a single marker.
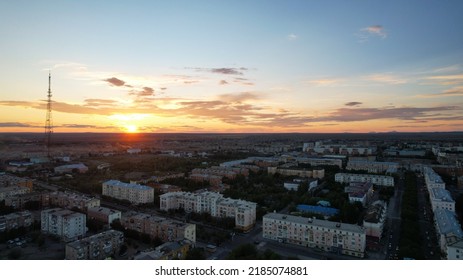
(327, 211)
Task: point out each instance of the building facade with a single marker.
(70, 200)
(135, 193)
(104, 214)
(158, 227)
(96, 247)
(441, 199)
(313, 233)
(15, 220)
(244, 212)
(379, 180)
(316, 173)
(67, 224)
(372, 166)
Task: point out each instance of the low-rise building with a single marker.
(432, 179)
(455, 249)
(329, 236)
(103, 214)
(158, 227)
(379, 180)
(135, 193)
(66, 224)
(15, 220)
(96, 247)
(71, 168)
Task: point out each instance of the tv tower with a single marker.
(49, 121)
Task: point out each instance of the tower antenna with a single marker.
(49, 121)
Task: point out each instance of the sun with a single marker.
(131, 128)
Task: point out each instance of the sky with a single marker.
(232, 66)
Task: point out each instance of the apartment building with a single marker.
(374, 220)
(329, 236)
(15, 220)
(373, 166)
(158, 227)
(441, 198)
(96, 247)
(166, 251)
(103, 214)
(7, 180)
(135, 193)
(71, 200)
(316, 161)
(315, 173)
(244, 212)
(71, 168)
(447, 227)
(8, 192)
(379, 180)
(67, 224)
(20, 201)
(432, 179)
(359, 192)
(455, 249)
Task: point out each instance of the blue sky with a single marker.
(233, 66)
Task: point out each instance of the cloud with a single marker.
(223, 82)
(447, 79)
(455, 91)
(386, 79)
(353, 103)
(94, 102)
(325, 82)
(224, 71)
(399, 113)
(145, 91)
(292, 37)
(17, 124)
(239, 97)
(115, 82)
(371, 31)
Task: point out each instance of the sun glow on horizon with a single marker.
(131, 128)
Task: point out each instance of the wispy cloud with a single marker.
(353, 103)
(446, 79)
(292, 37)
(223, 82)
(145, 91)
(224, 70)
(323, 82)
(386, 79)
(455, 91)
(364, 34)
(18, 124)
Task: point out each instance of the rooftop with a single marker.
(447, 223)
(120, 184)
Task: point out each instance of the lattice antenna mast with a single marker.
(49, 120)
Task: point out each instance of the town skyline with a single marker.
(232, 67)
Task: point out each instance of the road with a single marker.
(394, 220)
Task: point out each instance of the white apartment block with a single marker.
(96, 247)
(329, 236)
(15, 220)
(373, 166)
(64, 223)
(103, 214)
(213, 203)
(315, 161)
(135, 193)
(379, 180)
(441, 199)
(455, 250)
(447, 227)
(432, 179)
